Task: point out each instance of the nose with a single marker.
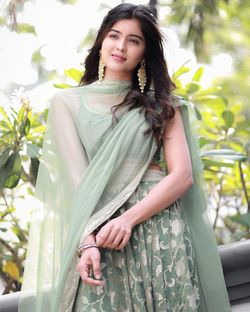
(121, 45)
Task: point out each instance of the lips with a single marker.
(118, 57)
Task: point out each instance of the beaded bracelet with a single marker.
(85, 246)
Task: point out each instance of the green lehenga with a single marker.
(154, 273)
(90, 170)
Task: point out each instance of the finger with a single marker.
(85, 272)
(117, 241)
(102, 235)
(92, 282)
(110, 239)
(96, 267)
(124, 241)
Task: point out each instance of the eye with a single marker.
(135, 41)
(114, 36)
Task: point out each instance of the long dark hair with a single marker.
(157, 107)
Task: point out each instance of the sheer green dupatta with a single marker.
(70, 190)
(213, 293)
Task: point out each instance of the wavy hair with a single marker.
(157, 104)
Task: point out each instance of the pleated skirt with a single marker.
(155, 272)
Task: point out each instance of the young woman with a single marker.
(117, 233)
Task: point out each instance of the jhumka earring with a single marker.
(142, 78)
(101, 68)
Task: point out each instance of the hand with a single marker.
(90, 263)
(115, 234)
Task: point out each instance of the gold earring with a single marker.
(101, 68)
(142, 78)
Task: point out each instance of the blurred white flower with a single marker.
(19, 98)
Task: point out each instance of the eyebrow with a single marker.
(131, 35)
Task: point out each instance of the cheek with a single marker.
(138, 55)
(106, 46)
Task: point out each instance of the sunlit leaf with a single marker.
(6, 117)
(21, 114)
(62, 85)
(198, 74)
(39, 129)
(225, 154)
(25, 28)
(192, 87)
(74, 74)
(11, 268)
(24, 127)
(182, 70)
(204, 141)
(228, 117)
(209, 163)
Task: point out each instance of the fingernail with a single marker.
(98, 276)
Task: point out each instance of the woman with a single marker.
(142, 237)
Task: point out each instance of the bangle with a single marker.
(85, 246)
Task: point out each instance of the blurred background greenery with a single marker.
(207, 51)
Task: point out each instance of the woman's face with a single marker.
(122, 49)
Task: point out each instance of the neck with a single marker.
(117, 76)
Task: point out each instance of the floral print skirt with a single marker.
(155, 272)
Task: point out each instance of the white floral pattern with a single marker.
(154, 273)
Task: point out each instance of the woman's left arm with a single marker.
(116, 233)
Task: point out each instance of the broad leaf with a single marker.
(228, 117)
(14, 171)
(198, 74)
(243, 219)
(4, 156)
(74, 74)
(11, 268)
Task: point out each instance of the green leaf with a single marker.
(228, 117)
(182, 70)
(34, 168)
(21, 114)
(214, 101)
(198, 74)
(25, 28)
(14, 170)
(74, 74)
(38, 129)
(192, 87)
(209, 163)
(62, 85)
(243, 219)
(204, 141)
(5, 170)
(6, 117)
(227, 154)
(4, 156)
(11, 268)
(24, 127)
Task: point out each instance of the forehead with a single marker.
(128, 26)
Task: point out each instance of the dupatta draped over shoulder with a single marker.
(89, 168)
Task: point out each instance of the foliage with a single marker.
(224, 139)
(21, 135)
